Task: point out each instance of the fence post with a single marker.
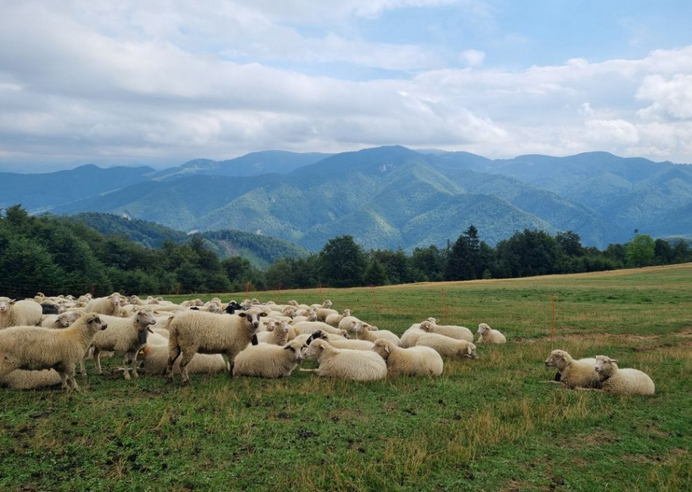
(552, 323)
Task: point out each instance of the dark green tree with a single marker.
(342, 262)
(375, 273)
(641, 250)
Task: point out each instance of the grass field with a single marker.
(488, 424)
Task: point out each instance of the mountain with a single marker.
(260, 250)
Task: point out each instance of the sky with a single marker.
(160, 82)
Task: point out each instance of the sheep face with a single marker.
(144, 319)
(284, 327)
(483, 328)
(297, 350)
(252, 317)
(383, 348)
(66, 319)
(94, 323)
(314, 350)
(5, 304)
(427, 326)
(558, 358)
(605, 366)
(470, 351)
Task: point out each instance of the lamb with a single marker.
(622, 381)
(277, 335)
(447, 346)
(268, 361)
(488, 335)
(21, 379)
(19, 313)
(368, 333)
(573, 373)
(207, 333)
(125, 336)
(451, 331)
(61, 320)
(154, 359)
(335, 319)
(34, 348)
(356, 365)
(414, 361)
(105, 305)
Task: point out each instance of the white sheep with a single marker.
(154, 359)
(488, 335)
(105, 305)
(207, 333)
(19, 313)
(63, 320)
(303, 327)
(411, 335)
(277, 335)
(335, 319)
(622, 381)
(356, 365)
(125, 336)
(573, 373)
(414, 361)
(35, 348)
(447, 346)
(21, 379)
(372, 334)
(451, 331)
(268, 361)
(338, 341)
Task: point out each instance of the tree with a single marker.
(641, 250)
(374, 273)
(342, 262)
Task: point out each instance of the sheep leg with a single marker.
(126, 370)
(307, 370)
(184, 361)
(70, 370)
(171, 361)
(133, 358)
(96, 357)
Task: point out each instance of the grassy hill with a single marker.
(486, 424)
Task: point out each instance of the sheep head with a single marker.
(483, 328)
(252, 317)
(470, 351)
(605, 366)
(383, 348)
(427, 326)
(559, 359)
(5, 304)
(315, 349)
(93, 321)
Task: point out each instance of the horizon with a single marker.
(159, 84)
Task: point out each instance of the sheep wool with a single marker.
(488, 335)
(19, 313)
(355, 365)
(622, 381)
(447, 346)
(414, 361)
(268, 361)
(573, 373)
(451, 331)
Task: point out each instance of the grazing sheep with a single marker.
(573, 373)
(34, 348)
(154, 359)
(277, 335)
(622, 381)
(372, 334)
(335, 319)
(356, 365)
(19, 313)
(125, 336)
(447, 346)
(21, 379)
(488, 335)
(451, 331)
(207, 333)
(61, 320)
(414, 361)
(268, 361)
(105, 305)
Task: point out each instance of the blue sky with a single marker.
(160, 82)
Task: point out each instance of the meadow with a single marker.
(490, 424)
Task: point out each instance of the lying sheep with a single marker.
(154, 360)
(335, 319)
(447, 346)
(488, 335)
(339, 342)
(312, 326)
(34, 348)
(19, 313)
(63, 320)
(414, 361)
(622, 381)
(411, 335)
(105, 305)
(371, 334)
(268, 361)
(192, 332)
(356, 365)
(573, 373)
(277, 335)
(451, 331)
(125, 336)
(21, 379)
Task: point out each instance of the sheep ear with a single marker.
(288, 347)
(262, 313)
(386, 348)
(612, 360)
(242, 315)
(12, 301)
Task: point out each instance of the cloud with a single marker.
(473, 58)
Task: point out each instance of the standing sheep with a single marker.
(622, 381)
(356, 365)
(268, 361)
(194, 331)
(19, 313)
(105, 305)
(488, 335)
(33, 348)
(573, 373)
(414, 361)
(275, 335)
(447, 346)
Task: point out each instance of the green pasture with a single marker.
(490, 424)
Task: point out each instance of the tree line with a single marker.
(58, 256)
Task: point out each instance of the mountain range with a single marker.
(386, 197)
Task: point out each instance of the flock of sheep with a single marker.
(263, 340)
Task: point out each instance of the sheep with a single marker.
(451, 331)
(337, 341)
(356, 365)
(447, 346)
(410, 336)
(348, 322)
(208, 333)
(367, 333)
(21, 379)
(125, 336)
(322, 313)
(19, 313)
(414, 361)
(278, 335)
(154, 359)
(105, 305)
(622, 381)
(36, 348)
(61, 320)
(268, 361)
(311, 326)
(573, 373)
(488, 335)
(335, 319)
